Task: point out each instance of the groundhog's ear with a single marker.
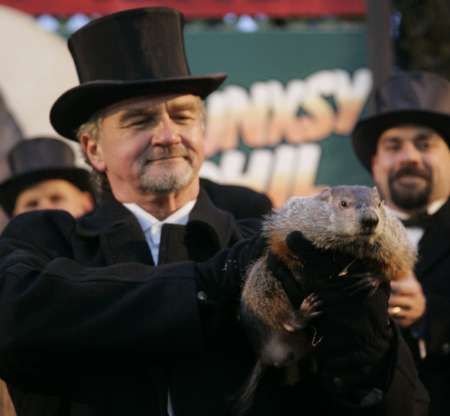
(325, 195)
(376, 194)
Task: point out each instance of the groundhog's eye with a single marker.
(344, 204)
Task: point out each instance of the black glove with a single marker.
(222, 276)
(219, 283)
(353, 356)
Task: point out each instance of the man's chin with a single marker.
(410, 200)
(167, 180)
(167, 167)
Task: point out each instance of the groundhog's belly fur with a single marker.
(349, 221)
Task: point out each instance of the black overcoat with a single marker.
(433, 272)
(119, 333)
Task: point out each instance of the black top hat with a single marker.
(128, 54)
(406, 98)
(35, 160)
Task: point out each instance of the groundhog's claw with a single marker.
(308, 310)
(289, 327)
(310, 307)
(366, 283)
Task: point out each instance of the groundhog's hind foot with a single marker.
(308, 310)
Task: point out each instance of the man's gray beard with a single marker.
(171, 181)
(411, 199)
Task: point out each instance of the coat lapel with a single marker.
(435, 243)
(125, 242)
(209, 229)
(121, 237)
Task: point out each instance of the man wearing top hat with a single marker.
(44, 175)
(405, 144)
(131, 310)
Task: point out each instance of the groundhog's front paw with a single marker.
(309, 309)
(365, 283)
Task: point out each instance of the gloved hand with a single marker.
(353, 356)
(219, 284)
(222, 276)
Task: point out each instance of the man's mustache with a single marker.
(161, 153)
(411, 171)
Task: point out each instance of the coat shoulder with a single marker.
(42, 229)
(240, 201)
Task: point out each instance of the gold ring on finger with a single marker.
(396, 311)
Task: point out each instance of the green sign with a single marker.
(281, 122)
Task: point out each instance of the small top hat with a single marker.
(35, 160)
(127, 54)
(415, 97)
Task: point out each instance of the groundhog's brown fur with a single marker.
(350, 220)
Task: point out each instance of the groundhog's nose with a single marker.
(369, 219)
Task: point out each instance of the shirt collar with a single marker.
(146, 220)
(431, 209)
(435, 206)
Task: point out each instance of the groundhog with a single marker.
(344, 230)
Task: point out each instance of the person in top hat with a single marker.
(146, 74)
(43, 175)
(132, 309)
(405, 144)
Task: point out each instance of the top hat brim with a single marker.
(79, 104)
(367, 131)
(12, 187)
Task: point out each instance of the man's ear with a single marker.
(372, 162)
(87, 202)
(93, 151)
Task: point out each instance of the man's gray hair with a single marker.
(92, 128)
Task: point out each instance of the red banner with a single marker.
(196, 8)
